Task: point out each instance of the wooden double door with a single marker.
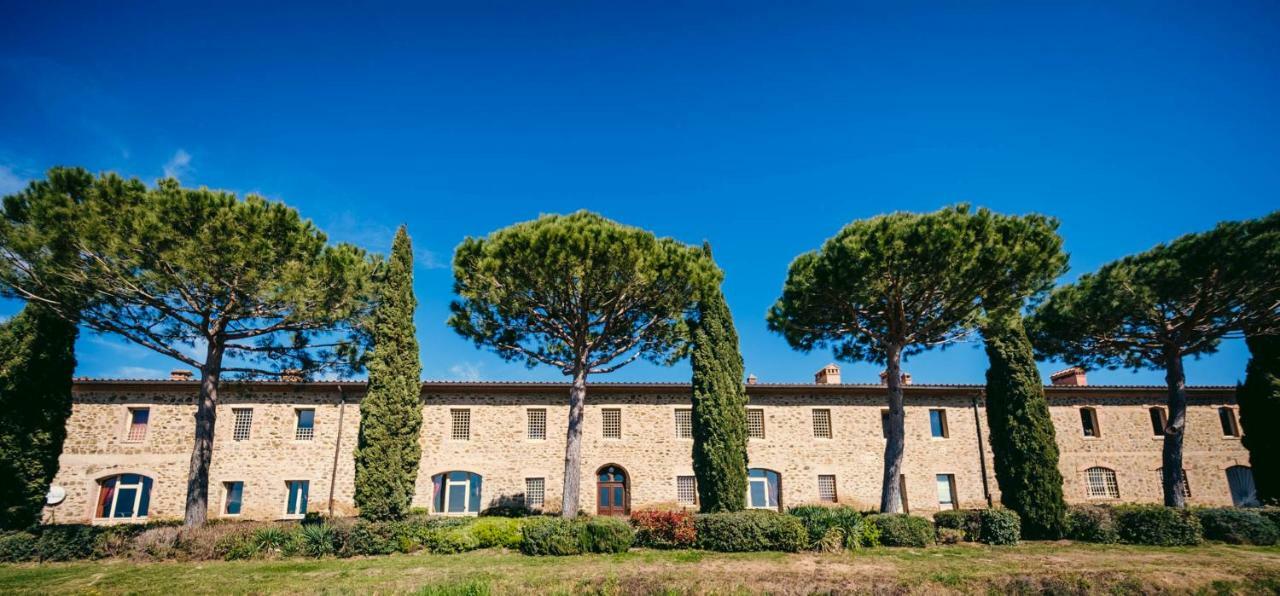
(611, 491)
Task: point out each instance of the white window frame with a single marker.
(1107, 479)
(950, 482)
(446, 484)
(115, 495)
(765, 481)
(298, 430)
(300, 507)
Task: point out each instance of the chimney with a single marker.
(291, 375)
(751, 379)
(829, 375)
(1070, 377)
(884, 378)
(180, 374)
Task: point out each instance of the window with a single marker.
(755, 423)
(460, 429)
(611, 425)
(234, 496)
(138, 418)
(827, 488)
(306, 425)
(684, 424)
(1159, 418)
(535, 492)
(537, 424)
(457, 492)
(938, 423)
(125, 496)
(1089, 422)
(686, 490)
(884, 424)
(296, 505)
(822, 424)
(762, 488)
(1186, 484)
(243, 423)
(1101, 483)
(946, 491)
(1230, 428)
(903, 505)
(1243, 491)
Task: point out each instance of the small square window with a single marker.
(234, 497)
(1101, 483)
(684, 424)
(535, 492)
(537, 424)
(686, 490)
(755, 423)
(139, 418)
(822, 424)
(611, 423)
(1230, 427)
(1159, 418)
(827, 488)
(1089, 422)
(306, 429)
(296, 503)
(243, 423)
(938, 424)
(460, 429)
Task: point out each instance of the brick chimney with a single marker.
(180, 374)
(291, 375)
(752, 380)
(884, 378)
(1070, 377)
(829, 375)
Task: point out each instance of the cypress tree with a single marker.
(387, 455)
(719, 406)
(1259, 399)
(1022, 434)
(37, 360)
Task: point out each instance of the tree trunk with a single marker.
(573, 445)
(1174, 431)
(891, 488)
(202, 452)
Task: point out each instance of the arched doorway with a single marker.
(612, 496)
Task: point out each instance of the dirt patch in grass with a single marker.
(1029, 568)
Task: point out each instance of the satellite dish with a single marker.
(56, 495)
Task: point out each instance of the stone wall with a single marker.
(649, 449)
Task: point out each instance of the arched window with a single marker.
(611, 491)
(125, 496)
(1101, 483)
(456, 493)
(1240, 481)
(762, 489)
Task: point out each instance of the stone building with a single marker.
(283, 449)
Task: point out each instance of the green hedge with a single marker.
(558, 536)
(999, 526)
(1238, 526)
(965, 521)
(1091, 523)
(835, 528)
(1157, 525)
(743, 531)
(900, 529)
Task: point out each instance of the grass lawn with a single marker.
(1031, 567)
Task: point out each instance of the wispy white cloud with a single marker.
(10, 181)
(139, 372)
(466, 371)
(428, 259)
(179, 165)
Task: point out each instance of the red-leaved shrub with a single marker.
(664, 529)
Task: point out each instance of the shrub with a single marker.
(1237, 526)
(508, 510)
(379, 538)
(317, 540)
(449, 540)
(998, 526)
(965, 521)
(832, 541)
(744, 531)
(17, 546)
(819, 520)
(237, 546)
(157, 543)
(607, 535)
(66, 542)
(551, 536)
(272, 540)
(497, 531)
(664, 529)
(900, 529)
(950, 536)
(1091, 523)
(1272, 514)
(1157, 525)
(868, 535)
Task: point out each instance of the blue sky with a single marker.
(759, 129)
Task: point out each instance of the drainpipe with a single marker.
(337, 447)
(982, 454)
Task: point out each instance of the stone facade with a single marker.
(649, 449)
